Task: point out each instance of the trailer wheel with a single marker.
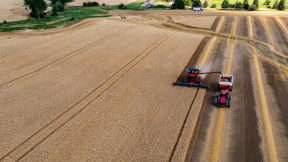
(229, 102)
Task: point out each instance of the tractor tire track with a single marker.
(38, 137)
(67, 56)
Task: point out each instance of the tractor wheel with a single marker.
(215, 101)
(229, 96)
(229, 103)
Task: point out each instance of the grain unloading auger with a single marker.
(193, 79)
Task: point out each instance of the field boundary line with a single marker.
(69, 55)
(42, 134)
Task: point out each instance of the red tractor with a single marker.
(223, 98)
(193, 79)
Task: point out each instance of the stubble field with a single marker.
(102, 89)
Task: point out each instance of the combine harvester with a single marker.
(225, 84)
(193, 79)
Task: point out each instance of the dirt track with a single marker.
(103, 90)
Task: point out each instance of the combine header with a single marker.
(193, 79)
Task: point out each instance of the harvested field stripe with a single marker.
(211, 44)
(185, 28)
(234, 26)
(68, 56)
(228, 67)
(220, 24)
(250, 26)
(266, 58)
(38, 137)
(268, 132)
(286, 74)
(263, 19)
(282, 25)
(206, 53)
(217, 141)
(279, 21)
(202, 60)
(218, 136)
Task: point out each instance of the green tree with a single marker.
(178, 4)
(53, 1)
(225, 4)
(62, 1)
(188, 2)
(54, 10)
(256, 3)
(37, 7)
(205, 4)
(281, 5)
(238, 5)
(275, 6)
(197, 3)
(267, 2)
(252, 8)
(60, 7)
(213, 5)
(245, 4)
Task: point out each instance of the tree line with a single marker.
(38, 7)
(180, 4)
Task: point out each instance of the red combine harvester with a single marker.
(193, 79)
(223, 98)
